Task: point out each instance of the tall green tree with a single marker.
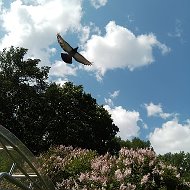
(76, 119)
(181, 160)
(135, 143)
(22, 85)
(42, 114)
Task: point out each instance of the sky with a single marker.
(139, 50)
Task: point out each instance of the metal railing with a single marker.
(24, 165)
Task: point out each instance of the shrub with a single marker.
(132, 169)
(63, 162)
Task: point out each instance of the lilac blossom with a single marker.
(131, 170)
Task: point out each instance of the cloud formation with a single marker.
(171, 137)
(127, 121)
(120, 48)
(34, 24)
(156, 110)
(98, 3)
(114, 94)
(109, 101)
(60, 69)
(178, 30)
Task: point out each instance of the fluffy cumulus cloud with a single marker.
(98, 3)
(60, 69)
(156, 110)
(171, 137)
(120, 48)
(127, 121)
(34, 24)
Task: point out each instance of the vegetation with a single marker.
(76, 135)
(135, 143)
(138, 169)
(181, 161)
(42, 114)
(5, 162)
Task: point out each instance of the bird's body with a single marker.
(71, 52)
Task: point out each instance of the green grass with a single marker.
(5, 161)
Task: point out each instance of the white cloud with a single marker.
(153, 109)
(34, 25)
(171, 137)
(84, 36)
(120, 48)
(86, 31)
(61, 69)
(1, 6)
(109, 101)
(178, 30)
(125, 120)
(156, 110)
(98, 3)
(61, 81)
(115, 94)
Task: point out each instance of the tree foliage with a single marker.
(22, 85)
(135, 143)
(74, 118)
(181, 161)
(42, 114)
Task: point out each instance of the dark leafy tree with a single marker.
(22, 85)
(180, 160)
(42, 114)
(76, 119)
(135, 143)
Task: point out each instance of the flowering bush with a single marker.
(131, 170)
(63, 162)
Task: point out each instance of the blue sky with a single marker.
(139, 51)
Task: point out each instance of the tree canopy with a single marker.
(181, 160)
(42, 114)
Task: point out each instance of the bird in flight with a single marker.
(71, 52)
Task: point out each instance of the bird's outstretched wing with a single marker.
(78, 57)
(65, 46)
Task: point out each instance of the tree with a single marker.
(135, 143)
(22, 85)
(76, 119)
(180, 160)
(42, 114)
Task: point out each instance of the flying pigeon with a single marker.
(71, 52)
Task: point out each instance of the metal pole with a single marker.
(13, 180)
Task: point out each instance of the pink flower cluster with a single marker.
(130, 170)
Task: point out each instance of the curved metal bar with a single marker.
(28, 157)
(13, 180)
(19, 167)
